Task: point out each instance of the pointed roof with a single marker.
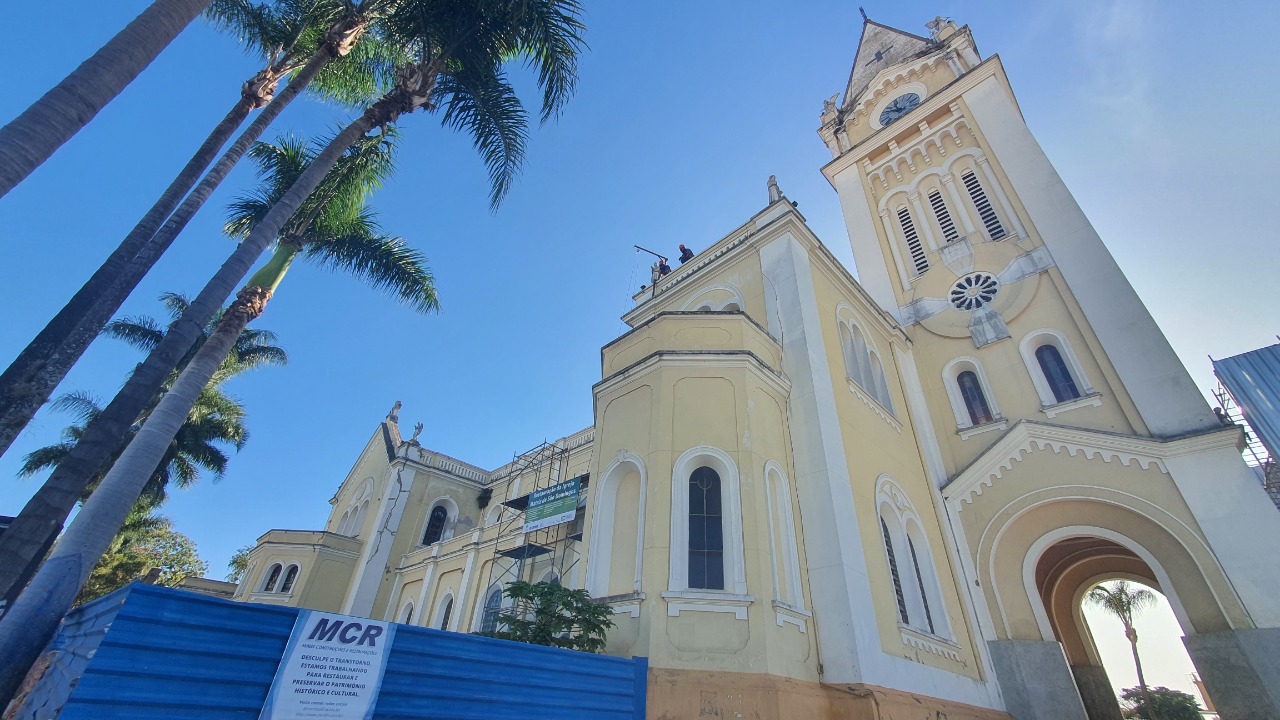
(881, 47)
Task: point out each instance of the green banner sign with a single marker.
(552, 506)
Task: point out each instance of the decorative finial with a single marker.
(394, 415)
(775, 194)
(864, 14)
(417, 430)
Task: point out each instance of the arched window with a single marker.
(706, 531)
(893, 573)
(342, 524)
(1056, 373)
(986, 213)
(975, 400)
(435, 525)
(924, 597)
(406, 614)
(881, 388)
(290, 578)
(492, 606)
(911, 569)
(446, 613)
(919, 261)
(943, 216)
(273, 577)
(551, 577)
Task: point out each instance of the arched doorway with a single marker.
(1064, 574)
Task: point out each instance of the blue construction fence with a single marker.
(147, 652)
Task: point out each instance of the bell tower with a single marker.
(962, 229)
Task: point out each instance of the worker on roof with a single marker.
(663, 267)
(685, 254)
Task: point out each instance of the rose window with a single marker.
(973, 291)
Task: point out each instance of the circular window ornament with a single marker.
(973, 291)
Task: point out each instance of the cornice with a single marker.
(738, 359)
(1027, 437)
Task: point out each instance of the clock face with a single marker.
(900, 106)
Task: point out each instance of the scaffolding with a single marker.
(1255, 453)
(549, 554)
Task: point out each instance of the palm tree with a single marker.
(29, 139)
(1124, 601)
(358, 173)
(321, 43)
(215, 419)
(460, 48)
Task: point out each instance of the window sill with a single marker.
(927, 641)
(874, 404)
(967, 432)
(797, 616)
(679, 601)
(270, 597)
(628, 603)
(1093, 399)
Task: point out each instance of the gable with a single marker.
(880, 48)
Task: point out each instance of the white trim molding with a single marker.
(1027, 347)
(735, 578)
(600, 544)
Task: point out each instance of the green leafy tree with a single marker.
(238, 565)
(549, 614)
(146, 542)
(1167, 704)
(1125, 600)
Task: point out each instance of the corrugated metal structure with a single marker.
(1253, 379)
(160, 653)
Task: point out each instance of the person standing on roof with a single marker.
(663, 267)
(685, 254)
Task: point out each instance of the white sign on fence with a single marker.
(331, 669)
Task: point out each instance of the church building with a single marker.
(805, 495)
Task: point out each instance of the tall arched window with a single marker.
(435, 525)
(911, 566)
(290, 578)
(893, 573)
(919, 261)
(448, 611)
(943, 216)
(1056, 373)
(273, 576)
(980, 203)
(975, 401)
(924, 597)
(492, 606)
(406, 615)
(706, 531)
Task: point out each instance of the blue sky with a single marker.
(1150, 111)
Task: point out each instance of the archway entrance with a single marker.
(1065, 572)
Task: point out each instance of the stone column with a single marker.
(1036, 681)
(1240, 670)
(1095, 690)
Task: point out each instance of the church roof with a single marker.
(881, 47)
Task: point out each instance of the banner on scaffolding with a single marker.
(552, 506)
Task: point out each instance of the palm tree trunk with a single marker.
(44, 514)
(34, 617)
(27, 627)
(29, 140)
(1142, 681)
(31, 379)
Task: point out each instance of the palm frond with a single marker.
(175, 303)
(82, 405)
(363, 75)
(385, 263)
(46, 457)
(551, 43)
(141, 332)
(481, 102)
